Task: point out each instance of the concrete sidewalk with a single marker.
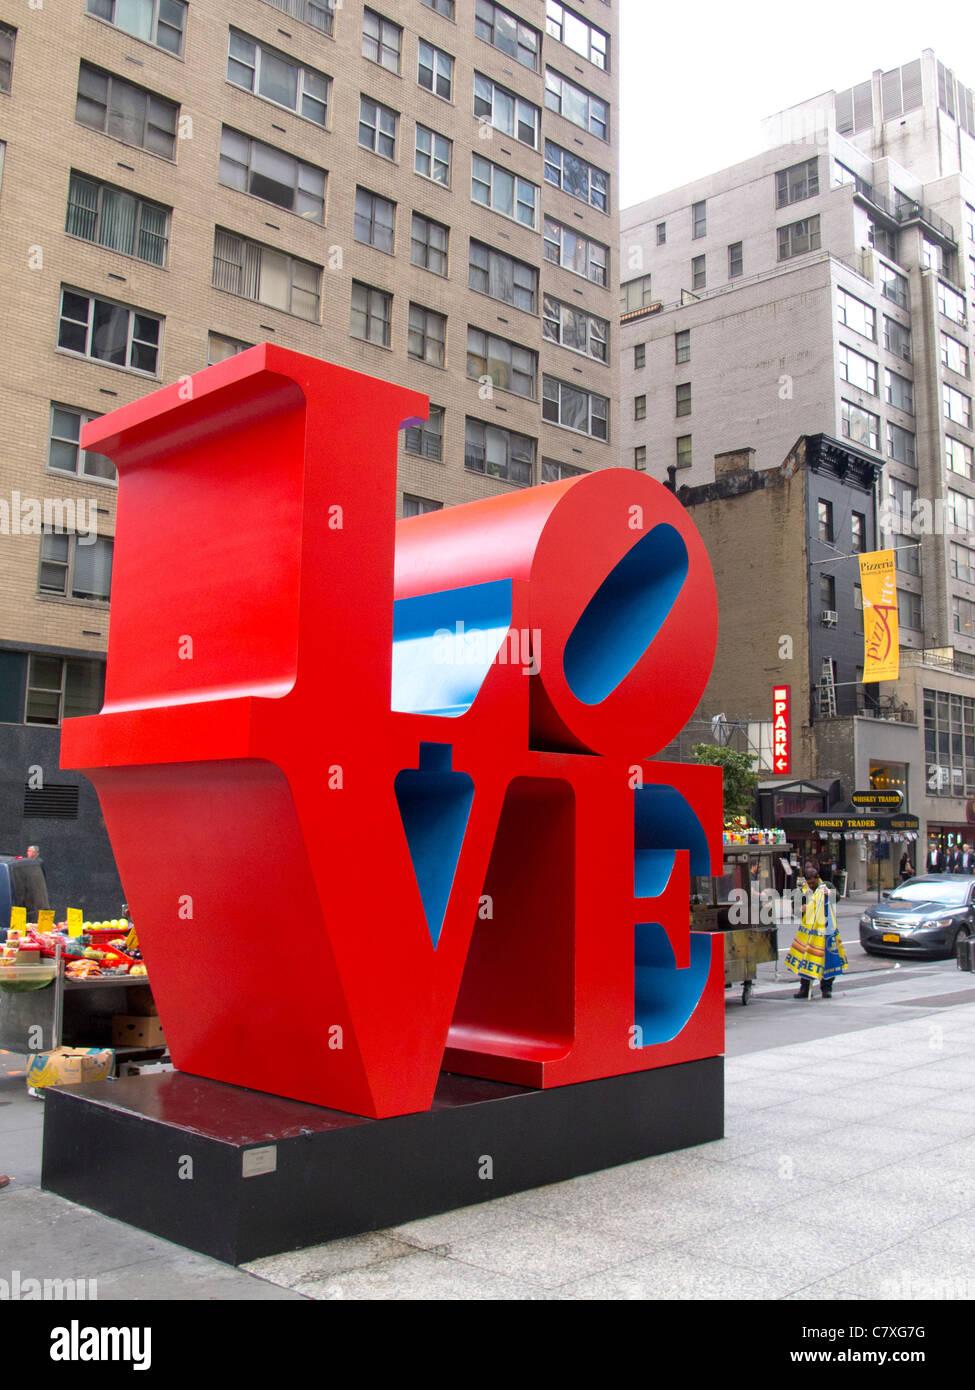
(845, 1174)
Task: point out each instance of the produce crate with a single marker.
(134, 1030)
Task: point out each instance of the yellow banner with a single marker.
(881, 649)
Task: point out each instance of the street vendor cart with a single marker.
(741, 905)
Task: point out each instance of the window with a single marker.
(897, 338)
(736, 262)
(635, 294)
(957, 406)
(431, 156)
(125, 112)
(444, 7)
(377, 128)
(62, 689)
(428, 244)
(900, 445)
(508, 366)
(375, 220)
(970, 222)
(64, 452)
(427, 340)
(75, 568)
(639, 407)
(220, 347)
(824, 513)
(882, 239)
(954, 354)
(426, 439)
(858, 370)
(699, 220)
(109, 332)
(372, 314)
(962, 563)
(856, 315)
(661, 233)
(859, 425)
(276, 77)
(907, 557)
(554, 472)
(497, 26)
(699, 274)
(575, 177)
(797, 182)
(858, 533)
(504, 192)
(640, 458)
(506, 111)
(499, 453)
(904, 507)
(574, 409)
(682, 345)
(683, 451)
(827, 591)
(266, 275)
(419, 506)
(320, 14)
(842, 175)
(932, 256)
(435, 70)
(157, 21)
(118, 220)
(576, 253)
(582, 108)
(949, 727)
(951, 304)
(899, 392)
(799, 237)
(382, 40)
(958, 457)
(575, 329)
(961, 512)
(683, 398)
(576, 33)
(268, 173)
(893, 286)
(640, 355)
(909, 610)
(502, 277)
(7, 36)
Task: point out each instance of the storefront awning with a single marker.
(849, 820)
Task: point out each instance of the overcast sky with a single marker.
(698, 76)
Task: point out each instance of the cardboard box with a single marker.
(136, 1030)
(144, 1068)
(70, 1066)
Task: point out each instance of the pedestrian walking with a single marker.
(817, 952)
(906, 867)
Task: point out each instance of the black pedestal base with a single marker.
(237, 1174)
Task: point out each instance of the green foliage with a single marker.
(739, 781)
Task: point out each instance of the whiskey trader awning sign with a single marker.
(852, 821)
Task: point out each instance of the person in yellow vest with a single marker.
(817, 952)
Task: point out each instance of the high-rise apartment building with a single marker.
(825, 287)
(423, 190)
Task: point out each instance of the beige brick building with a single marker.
(423, 190)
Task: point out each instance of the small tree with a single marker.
(738, 780)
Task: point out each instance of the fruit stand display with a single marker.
(740, 903)
(82, 984)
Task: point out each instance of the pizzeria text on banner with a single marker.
(881, 650)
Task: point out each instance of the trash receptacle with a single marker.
(966, 953)
(842, 877)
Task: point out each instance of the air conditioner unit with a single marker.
(827, 618)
